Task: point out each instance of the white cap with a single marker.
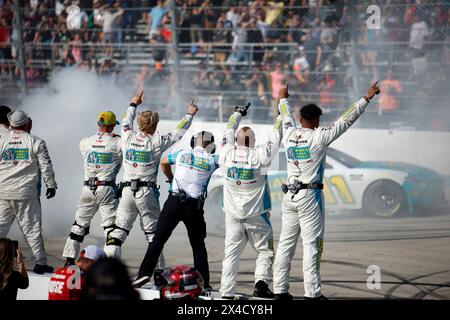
(18, 118)
(94, 253)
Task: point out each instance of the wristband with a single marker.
(367, 99)
(133, 105)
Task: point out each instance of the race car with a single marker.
(382, 189)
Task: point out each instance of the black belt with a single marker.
(141, 184)
(181, 195)
(312, 186)
(99, 183)
(296, 186)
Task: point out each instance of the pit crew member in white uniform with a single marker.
(302, 204)
(24, 159)
(102, 158)
(187, 195)
(142, 153)
(246, 203)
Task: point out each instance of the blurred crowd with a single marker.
(238, 48)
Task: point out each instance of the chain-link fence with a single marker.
(231, 52)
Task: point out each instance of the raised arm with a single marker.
(287, 116)
(270, 149)
(230, 131)
(127, 123)
(232, 125)
(170, 139)
(328, 134)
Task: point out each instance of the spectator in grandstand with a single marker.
(409, 13)
(295, 32)
(200, 79)
(437, 38)
(313, 50)
(278, 78)
(130, 18)
(197, 8)
(77, 49)
(184, 23)
(111, 23)
(254, 35)
(239, 51)
(274, 11)
(156, 16)
(234, 16)
(222, 35)
(390, 90)
(5, 47)
(158, 46)
(301, 70)
(327, 38)
(108, 279)
(210, 23)
(417, 44)
(327, 97)
(261, 24)
(11, 259)
(166, 31)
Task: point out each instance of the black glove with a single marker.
(50, 192)
(242, 109)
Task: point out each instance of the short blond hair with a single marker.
(148, 120)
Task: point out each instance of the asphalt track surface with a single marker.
(412, 253)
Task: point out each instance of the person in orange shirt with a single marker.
(390, 89)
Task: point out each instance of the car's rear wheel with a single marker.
(384, 199)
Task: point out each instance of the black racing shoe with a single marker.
(321, 297)
(158, 278)
(283, 296)
(41, 269)
(140, 281)
(69, 262)
(262, 290)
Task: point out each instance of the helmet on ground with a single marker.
(183, 282)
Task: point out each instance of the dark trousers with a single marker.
(173, 212)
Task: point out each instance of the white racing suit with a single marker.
(3, 130)
(142, 153)
(304, 213)
(102, 158)
(246, 203)
(24, 160)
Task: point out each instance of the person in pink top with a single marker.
(277, 79)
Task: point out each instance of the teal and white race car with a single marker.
(383, 189)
